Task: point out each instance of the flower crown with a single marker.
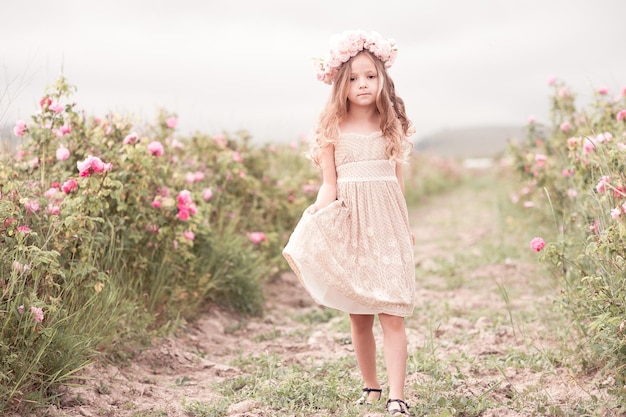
(346, 45)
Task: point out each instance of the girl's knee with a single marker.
(362, 322)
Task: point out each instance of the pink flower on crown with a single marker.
(346, 45)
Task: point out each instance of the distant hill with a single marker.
(471, 142)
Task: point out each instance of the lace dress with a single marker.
(356, 254)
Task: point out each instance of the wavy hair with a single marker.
(394, 123)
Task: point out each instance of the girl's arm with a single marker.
(399, 176)
(328, 190)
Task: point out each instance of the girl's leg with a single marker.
(365, 349)
(395, 350)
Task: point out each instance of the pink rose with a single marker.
(131, 138)
(37, 314)
(45, 102)
(186, 206)
(171, 122)
(237, 157)
(20, 128)
(54, 209)
(31, 206)
(616, 213)
(56, 107)
(601, 187)
(65, 129)
(189, 235)
(63, 153)
(621, 115)
(551, 80)
(92, 165)
(51, 192)
(157, 202)
(69, 186)
(537, 244)
(588, 146)
(531, 119)
(566, 126)
(540, 160)
(155, 148)
(24, 229)
(603, 90)
(257, 237)
(207, 194)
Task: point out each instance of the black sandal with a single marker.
(404, 408)
(365, 396)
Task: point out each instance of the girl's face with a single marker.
(363, 81)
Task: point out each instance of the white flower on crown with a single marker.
(346, 45)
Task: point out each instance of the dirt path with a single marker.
(483, 339)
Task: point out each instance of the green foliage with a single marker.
(573, 172)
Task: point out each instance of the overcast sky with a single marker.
(245, 64)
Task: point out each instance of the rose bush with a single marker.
(573, 171)
(112, 231)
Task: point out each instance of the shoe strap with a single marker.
(403, 406)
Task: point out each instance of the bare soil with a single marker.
(462, 312)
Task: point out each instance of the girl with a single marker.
(352, 249)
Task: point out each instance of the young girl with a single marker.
(352, 250)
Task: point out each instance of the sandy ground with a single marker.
(459, 318)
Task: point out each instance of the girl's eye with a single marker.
(352, 78)
(371, 77)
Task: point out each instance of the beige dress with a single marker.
(356, 254)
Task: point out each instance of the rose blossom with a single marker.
(171, 122)
(207, 194)
(69, 186)
(51, 192)
(257, 237)
(91, 165)
(56, 107)
(63, 153)
(540, 160)
(621, 115)
(237, 157)
(24, 229)
(131, 138)
(602, 183)
(37, 313)
(31, 206)
(155, 148)
(537, 244)
(54, 209)
(20, 128)
(566, 126)
(603, 90)
(189, 235)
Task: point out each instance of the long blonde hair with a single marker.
(394, 123)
